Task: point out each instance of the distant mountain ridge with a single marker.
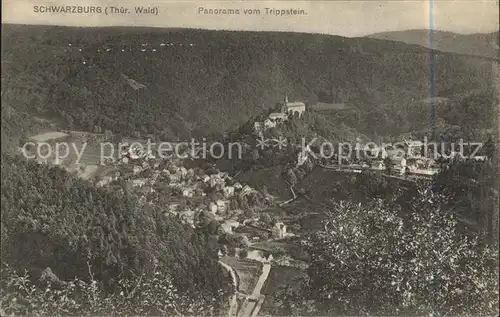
(480, 44)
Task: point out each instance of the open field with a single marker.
(48, 136)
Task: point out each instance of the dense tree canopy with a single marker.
(376, 260)
(471, 191)
(227, 77)
(52, 219)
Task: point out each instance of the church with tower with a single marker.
(284, 110)
(296, 108)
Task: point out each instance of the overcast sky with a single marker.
(346, 18)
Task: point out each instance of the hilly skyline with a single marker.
(481, 44)
(345, 18)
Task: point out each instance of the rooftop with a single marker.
(295, 104)
(276, 115)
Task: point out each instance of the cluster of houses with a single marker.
(149, 176)
(254, 229)
(418, 160)
(409, 157)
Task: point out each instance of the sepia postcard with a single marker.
(250, 158)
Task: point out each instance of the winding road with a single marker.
(233, 304)
(266, 268)
(251, 305)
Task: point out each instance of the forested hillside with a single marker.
(206, 82)
(51, 219)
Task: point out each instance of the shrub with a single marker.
(370, 259)
(139, 296)
(243, 253)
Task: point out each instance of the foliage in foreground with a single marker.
(141, 296)
(375, 260)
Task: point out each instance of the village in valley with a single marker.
(250, 224)
(316, 169)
